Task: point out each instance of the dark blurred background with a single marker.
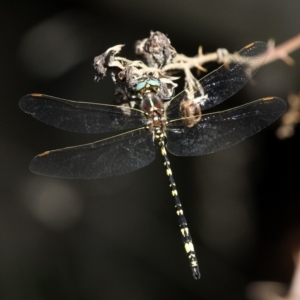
(118, 238)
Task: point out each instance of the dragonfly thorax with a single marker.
(153, 107)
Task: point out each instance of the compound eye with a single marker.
(154, 82)
(140, 86)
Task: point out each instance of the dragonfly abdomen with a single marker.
(184, 230)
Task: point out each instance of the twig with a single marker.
(281, 51)
(290, 119)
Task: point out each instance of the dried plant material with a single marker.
(156, 51)
(275, 290)
(283, 50)
(266, 290)
(290, 119)
(160, 60)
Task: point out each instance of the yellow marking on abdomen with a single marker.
(194, 263)
(179, 212)
(163, 151)
(174, 193)
(169, 172)
(185, 232)
(189, 247)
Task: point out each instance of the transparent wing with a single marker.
(118, 155)
(225, 81)
(81, 117)
(217, 131)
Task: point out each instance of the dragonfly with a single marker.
(177, 126)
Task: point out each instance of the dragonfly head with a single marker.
(146, 84)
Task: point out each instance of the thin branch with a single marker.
(283, 50)
(290, 119)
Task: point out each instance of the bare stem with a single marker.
(283, 50)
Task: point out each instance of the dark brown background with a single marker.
(117, 238)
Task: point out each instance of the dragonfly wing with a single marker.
(118, 155)
(81, 117)
(227, 80)
(217, 131)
